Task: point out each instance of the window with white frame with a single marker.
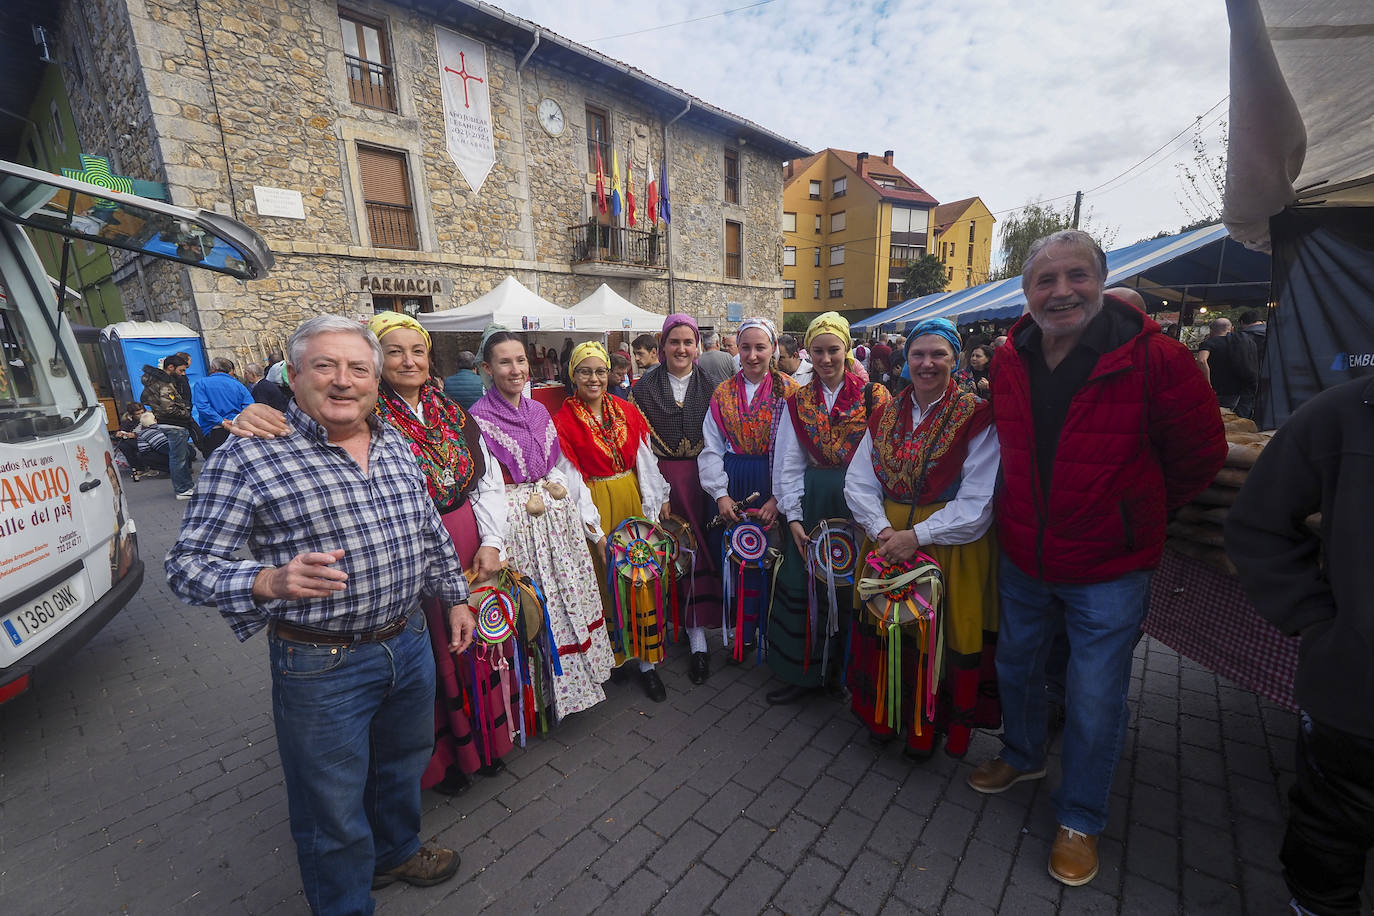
(837, 222)
(837, 187)
(837, 288)
(836, 255)
(789, 289)
(789, 222)
(789, 256)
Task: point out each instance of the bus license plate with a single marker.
(41, 613)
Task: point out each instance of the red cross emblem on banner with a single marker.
(462, 72)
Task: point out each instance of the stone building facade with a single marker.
(218, 100)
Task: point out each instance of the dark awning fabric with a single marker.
(1322, 328)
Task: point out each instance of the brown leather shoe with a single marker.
(431, 865)
(996, 775)
(1073, 858)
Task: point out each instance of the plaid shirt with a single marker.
(296, 494)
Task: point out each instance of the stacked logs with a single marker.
(1196, 530)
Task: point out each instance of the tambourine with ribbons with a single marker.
(907, 597)
(684, 546)
(492, 653)
(749, 550)
(832, 557)
(639, 555)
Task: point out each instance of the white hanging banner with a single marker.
(467, 105)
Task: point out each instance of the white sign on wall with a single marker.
(278, 202)
(467, 105)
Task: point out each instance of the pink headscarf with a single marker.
(675, 320)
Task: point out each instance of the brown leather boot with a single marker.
(431, 865)
(1073, 858)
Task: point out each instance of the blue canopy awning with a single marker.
(1199, 265)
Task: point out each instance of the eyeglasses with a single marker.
(592, 373)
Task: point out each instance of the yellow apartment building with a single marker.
(851, 223)
(961, 237)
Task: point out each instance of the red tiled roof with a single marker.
(948, 214)
(916, 194)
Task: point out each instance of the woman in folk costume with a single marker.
(940, 439)
(472, 717)
(606, 440)
(826, 419)
(737, 463)
(547, 514)
(674, 397)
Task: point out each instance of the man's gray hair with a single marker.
(1220, 326)
(1075, 237)
(466, 360)
(709, 340)
(221, 364)
(329, 324)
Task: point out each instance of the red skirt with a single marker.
(461, 736)
(699, 596)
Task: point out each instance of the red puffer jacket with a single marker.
(1142, 437)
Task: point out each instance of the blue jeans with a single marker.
(179, 461)
(355, 730)
(1102, 621)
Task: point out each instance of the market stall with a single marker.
(1299, 182)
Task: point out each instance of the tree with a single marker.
(796, 322)
(1036, 220)
(924, 276)
(1204, 176)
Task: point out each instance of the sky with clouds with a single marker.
(1009, 100)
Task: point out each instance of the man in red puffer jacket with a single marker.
(1106, 426)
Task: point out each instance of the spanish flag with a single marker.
(629, 189)
(600, 182)
(615, 183)
(652, 203)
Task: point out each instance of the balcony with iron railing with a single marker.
(391, 226)
(370, 83)
(617, 251)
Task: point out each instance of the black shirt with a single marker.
(1221, 366)
(1052, 390)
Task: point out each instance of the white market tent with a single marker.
(607, 310)
(511, 304)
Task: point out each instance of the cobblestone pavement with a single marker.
(145, 779)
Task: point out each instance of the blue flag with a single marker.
(665, 213)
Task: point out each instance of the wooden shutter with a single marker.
(383, 173)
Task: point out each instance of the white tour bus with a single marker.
(68, 551)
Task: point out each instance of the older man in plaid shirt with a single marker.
(344, 540)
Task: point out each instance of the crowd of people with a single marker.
(1032, 473)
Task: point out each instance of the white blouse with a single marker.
(711, 460)
(790, 461)
(962, 520)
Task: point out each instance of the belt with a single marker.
(297, 633)
(612, 477)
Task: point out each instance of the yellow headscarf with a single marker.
(383, 323)
(585, 350)
(828, 323)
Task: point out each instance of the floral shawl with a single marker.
(900, 453)
(831, 438)
(605, 448)
(444, 444)
(749, 427)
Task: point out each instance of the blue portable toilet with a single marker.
(128, 346)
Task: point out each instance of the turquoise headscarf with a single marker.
(941, 327)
